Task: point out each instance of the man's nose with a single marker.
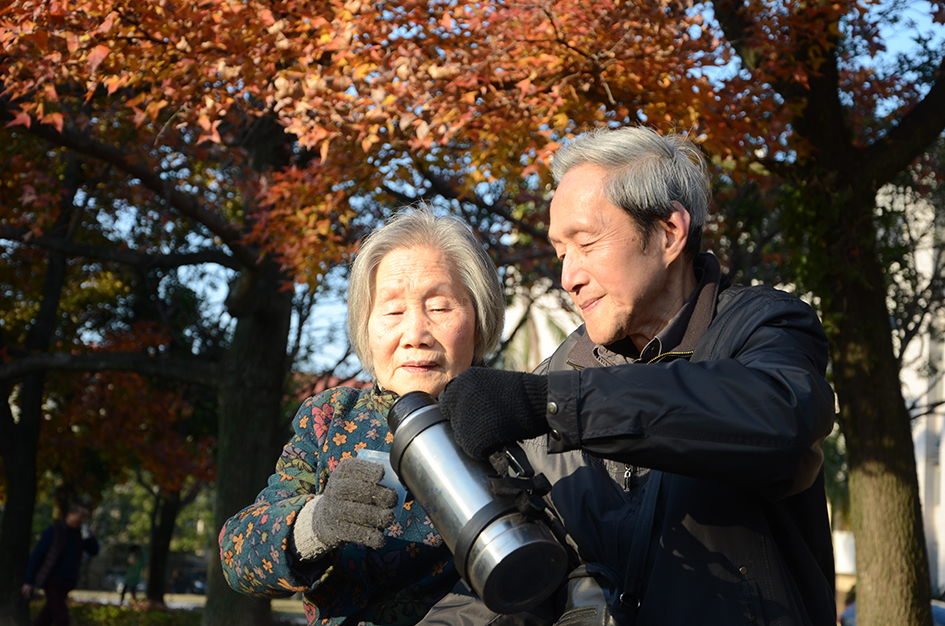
(572, 275)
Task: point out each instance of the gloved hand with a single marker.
(488, 408)
(354, 508)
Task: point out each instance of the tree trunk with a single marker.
(19, 437)
(249, 409)
(168, 504)
(893, 585)
(18, 441)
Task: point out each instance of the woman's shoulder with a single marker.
(341, 396)
(338, 402)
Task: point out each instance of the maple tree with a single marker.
(282, 130)
(90, 283)
(86, 441)
(853, 129)
(114, 425)
(154, 90)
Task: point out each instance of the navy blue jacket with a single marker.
(734, 416)
(58, 555)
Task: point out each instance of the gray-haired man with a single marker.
(714, 394)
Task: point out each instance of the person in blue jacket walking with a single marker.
(55, 561)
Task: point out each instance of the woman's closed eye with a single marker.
(441, 306)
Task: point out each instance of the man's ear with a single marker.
(675, 232)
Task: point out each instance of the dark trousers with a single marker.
(55, 613)
(126, 588)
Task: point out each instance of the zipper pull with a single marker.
(627, 477)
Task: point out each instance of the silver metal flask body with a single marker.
(512, 563)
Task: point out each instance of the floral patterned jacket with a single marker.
(352, 584)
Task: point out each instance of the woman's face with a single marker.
(422, 328)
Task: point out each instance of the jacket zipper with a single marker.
(659, 357)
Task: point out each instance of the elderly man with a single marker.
(708, 398)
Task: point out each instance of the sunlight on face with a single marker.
(422, 327)
(616, 286)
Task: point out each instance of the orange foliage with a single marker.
(371, 90)
(376, 92)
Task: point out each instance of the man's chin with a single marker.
(600, 336)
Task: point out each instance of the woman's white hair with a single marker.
(421, 228)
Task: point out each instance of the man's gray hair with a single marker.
(420, 228)
(645, 173)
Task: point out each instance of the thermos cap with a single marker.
(410, 415)
(407, 404)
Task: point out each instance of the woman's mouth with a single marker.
(418, 366)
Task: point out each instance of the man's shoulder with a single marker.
(742, 310)
(741, 298)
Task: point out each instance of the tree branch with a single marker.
(442, 187)
(916, 131)
(184, 203)
(128, 257)
(187, 370)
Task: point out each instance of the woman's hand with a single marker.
(353, 507)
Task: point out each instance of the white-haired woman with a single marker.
(424, 304)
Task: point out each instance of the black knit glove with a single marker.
(354, 508)
(488, 408)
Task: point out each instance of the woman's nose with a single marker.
(417, 330)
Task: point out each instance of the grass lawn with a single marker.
(87, 612)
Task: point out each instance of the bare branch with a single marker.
(128, 257)
(916, 131)
(184, 203)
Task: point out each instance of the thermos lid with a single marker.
(412, 414)
(405, 405)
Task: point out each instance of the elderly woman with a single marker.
(424, 304)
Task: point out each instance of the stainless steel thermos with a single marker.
(512, 563)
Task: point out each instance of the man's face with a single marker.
(615, 284)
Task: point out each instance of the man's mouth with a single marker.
(588, 304)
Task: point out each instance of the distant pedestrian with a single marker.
(54, 564)
(133, 573)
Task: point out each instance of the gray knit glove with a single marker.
(352, 509)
